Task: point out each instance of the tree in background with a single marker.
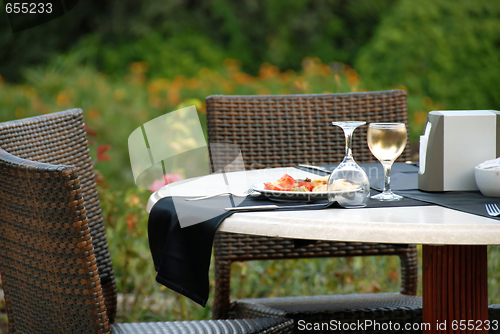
(39, 44)
(446, 53)
(180, 37)
(283, 33)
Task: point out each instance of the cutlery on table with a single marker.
(273, 207)
(492, 210)
(321, 169)
(244, 194)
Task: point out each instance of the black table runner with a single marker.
(182, 255)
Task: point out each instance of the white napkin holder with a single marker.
(454, 142)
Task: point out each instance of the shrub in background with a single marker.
(446, 54)
(113, 108)
(185, 35)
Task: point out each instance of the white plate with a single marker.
(294, 196)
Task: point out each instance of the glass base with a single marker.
(387, 196)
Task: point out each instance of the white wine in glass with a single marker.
(386, 142)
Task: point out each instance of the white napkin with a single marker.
(490, 164)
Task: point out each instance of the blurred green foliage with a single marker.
(38, 45)
(446, 54)
(114, 108)
(184, 54)
(180, 37)
(443, 53)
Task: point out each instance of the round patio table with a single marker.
(455, 295)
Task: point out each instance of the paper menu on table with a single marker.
(464, 152)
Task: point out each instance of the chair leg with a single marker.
(222, 293)
(409, 270)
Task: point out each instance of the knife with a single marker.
(321, 169)
(273, 207)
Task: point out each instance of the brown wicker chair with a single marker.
(54, 261)
(287, 130)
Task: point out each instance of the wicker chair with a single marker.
(287, 130)
(56, 269)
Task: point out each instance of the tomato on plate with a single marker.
(285, 183)
(308, 185)
(286, 180)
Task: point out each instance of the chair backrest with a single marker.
(286, 130)
(55, 254)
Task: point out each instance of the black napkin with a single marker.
(182, 255)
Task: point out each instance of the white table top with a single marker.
(410, 225)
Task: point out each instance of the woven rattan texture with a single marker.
(49, 271)
(287, 130)
(60, 139)
(233, 247)
(241, 326)
(382, 308)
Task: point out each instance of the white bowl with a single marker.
(488, 181)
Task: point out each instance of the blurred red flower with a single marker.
(100, 152)
(90, 131)
(131, 222)
(167, 178)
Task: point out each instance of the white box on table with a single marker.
(454, 142)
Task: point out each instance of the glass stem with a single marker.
(348, 141)
(387, 176)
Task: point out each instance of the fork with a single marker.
(492, 210)
(244, 194)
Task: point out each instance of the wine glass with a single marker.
(386, 142)
(348, 183)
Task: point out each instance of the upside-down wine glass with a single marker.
(386, 142)
(348, 184)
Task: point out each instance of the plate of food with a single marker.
(289, 189)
